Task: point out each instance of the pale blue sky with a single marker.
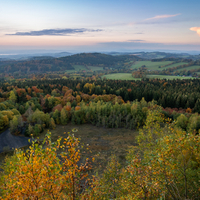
(89, 25)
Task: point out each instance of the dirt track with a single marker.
(9, 141)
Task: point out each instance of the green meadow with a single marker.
(94, 68)
(175, 65)
(128, 76)
(189, 68)
(120, 76)
(77, 68)
(169, 77)
(151, 65)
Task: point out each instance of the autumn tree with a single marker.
(108, 184)
(38, 173)
(16, 123)
(182, 121)
(52, 124)
(64, 116)
(12, 96)
(165, 163)
(4, 121)
(56, 116)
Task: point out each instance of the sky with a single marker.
(103, 25)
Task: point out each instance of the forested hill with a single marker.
(49, 64)
(99, 59)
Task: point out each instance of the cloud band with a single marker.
(56, 32)
(162, 16)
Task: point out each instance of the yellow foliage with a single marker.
(38, 173)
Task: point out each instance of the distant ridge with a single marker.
(43, 64)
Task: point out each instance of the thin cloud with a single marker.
(158, 19)
(197, 29)
(56, 32)
(162, 17)
(130, 44)
(135, 40)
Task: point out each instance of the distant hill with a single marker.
(61, 54)
(24, 56)
(98, 59)
(47, 64)
(160, 55)
(40, 58)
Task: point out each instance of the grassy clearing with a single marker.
(189, 68)
(103, 142)
(150, 65)
(94, 68)
(128, 76)
(168, 77)
(120, 76)
(82, 67)
(175, 65)
(77, 68)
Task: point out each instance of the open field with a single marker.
(168, 77)
(94, 68)
(102, 141)
(77, 68)
(175, 65)
(150, 65)
(128, 76)
(120, 76)
(189, 68)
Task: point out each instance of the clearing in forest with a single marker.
(151, 65)
(169, 77)
(103, 142)
(189, 68)
(128, 76)
(120, 76)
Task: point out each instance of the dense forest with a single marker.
(168, 93)
(33, 105)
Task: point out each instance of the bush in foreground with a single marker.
(39, 173)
